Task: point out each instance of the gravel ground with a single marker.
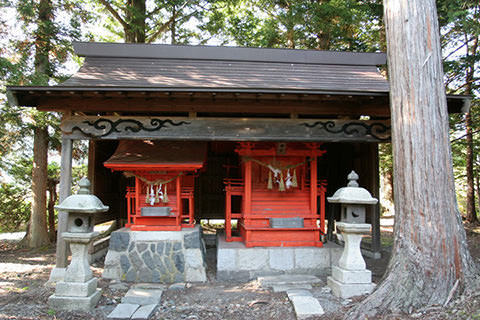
(23, 294)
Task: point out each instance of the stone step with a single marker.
(155, 286)
(123, 311)
(144, 312)
(142, 296)
(288, 280)
(304, 304)
(285, 287)
(177, 286)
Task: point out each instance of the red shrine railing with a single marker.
(274, 211)
(181, 216)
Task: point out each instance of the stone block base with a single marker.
(347, 290)
(85, 304)
(236, 262)
(156, 256)
(348, 276)
(57, 274)
(76, 289)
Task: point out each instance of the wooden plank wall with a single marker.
(337, 163)
(108, 186)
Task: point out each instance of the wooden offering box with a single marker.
(164, 172)
(282, 199)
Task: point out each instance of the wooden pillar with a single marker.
(322, 210)
(91, 163)
(228, 214)
(313, 185)
(375, 189)
(248, 188)
(138, 192)
(179, 200)
(65, 191)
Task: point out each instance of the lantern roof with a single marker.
(352, 193)
(83, 201)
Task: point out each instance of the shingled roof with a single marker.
(226, 68)
(173, 69)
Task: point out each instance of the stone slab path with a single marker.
(123, 311)
(297, 287)
(304, 304)
(142, 296)
(139, 302)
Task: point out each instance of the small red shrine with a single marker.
(280, 194)
(164, 172)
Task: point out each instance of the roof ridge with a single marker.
(219, 53)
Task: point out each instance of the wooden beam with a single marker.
(376, 108)
(225, 129)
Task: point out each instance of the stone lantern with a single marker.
(351, 278)
(78, 290)
(352, 199)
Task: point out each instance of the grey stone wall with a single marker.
(239, 263)
(156, 256)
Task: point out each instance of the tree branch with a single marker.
(114, 13)
(161, 29)
(164, 26)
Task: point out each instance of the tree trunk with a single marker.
(135, 21)
(471, 212)
(43, 35)
(430, 251)
(37, 235)
(173, 27)
(52, 199)
(477, 180)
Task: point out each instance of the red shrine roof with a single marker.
(134, 155)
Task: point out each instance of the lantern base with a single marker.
(85, 304)
(347, 290)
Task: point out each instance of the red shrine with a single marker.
(280, 192)
(164, 172)
(278, 199)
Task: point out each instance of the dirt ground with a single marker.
(23, 293)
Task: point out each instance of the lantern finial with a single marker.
(84, 185)
(352, 177)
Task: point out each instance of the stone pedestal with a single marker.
(78, 290)
(351, 278)
(236, 262)
(156, 256)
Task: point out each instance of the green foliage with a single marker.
(144, 21)
(14, 207)
(329, 25)
(460, 28)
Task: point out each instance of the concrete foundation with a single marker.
(238, 263)
(156, 256)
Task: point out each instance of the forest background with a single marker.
(36, 49)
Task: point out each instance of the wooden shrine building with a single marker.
(257, 137)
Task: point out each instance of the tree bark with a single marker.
(471, 212)
(52, 199)
(430, 251)
(134, 27)
(173, 30)
(477, 181)
(37, 235)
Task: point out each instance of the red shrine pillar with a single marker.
(313, 184)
